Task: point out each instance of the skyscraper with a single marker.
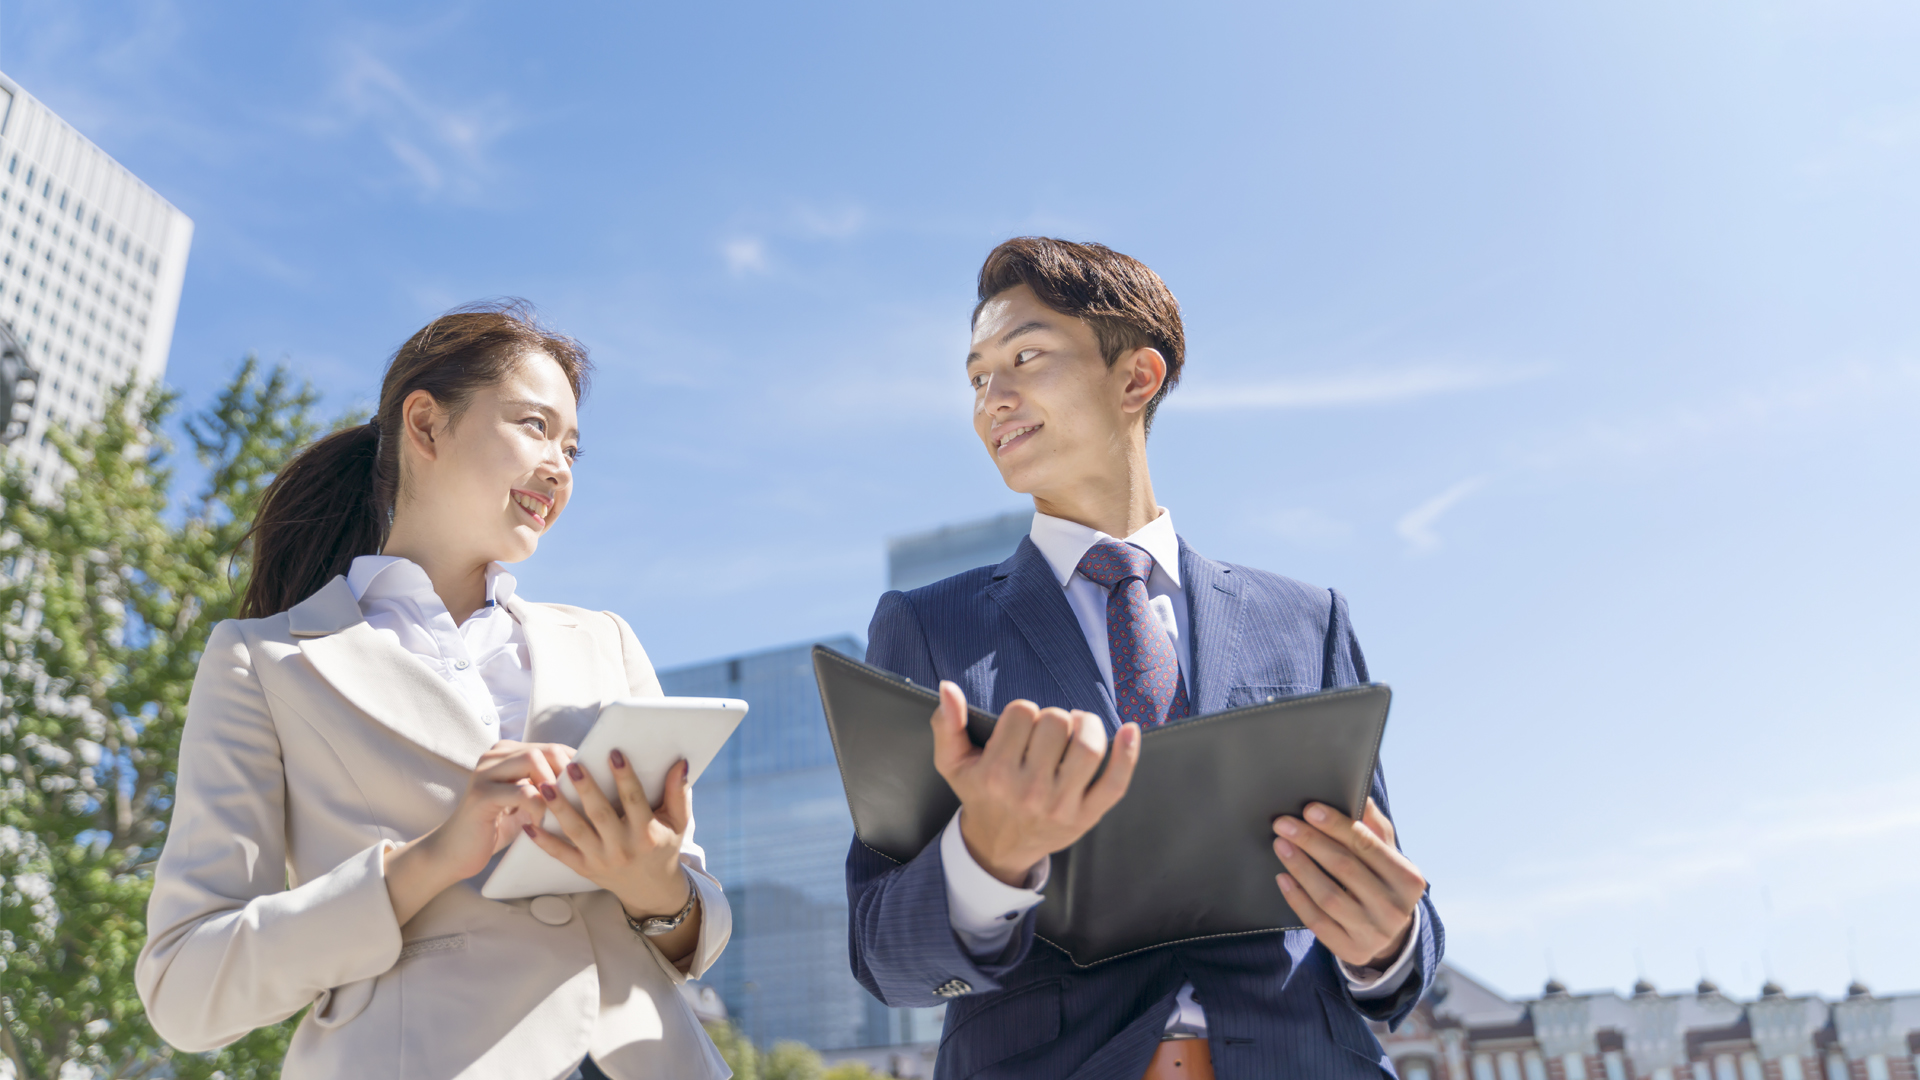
(91, 262)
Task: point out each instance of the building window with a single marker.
(1483, 1067)
(1575, 1066)
(1536, 1068)
(1877, 1067)
(1616, 1064)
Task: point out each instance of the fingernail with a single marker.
(619, 759)
(1316, 814)
(1286, 884)
(1288, 827)
(574, 770)
(549, 792)
(1285, 849)
(529, 830)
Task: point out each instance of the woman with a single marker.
(384, 719)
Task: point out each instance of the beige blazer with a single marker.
(313, 742)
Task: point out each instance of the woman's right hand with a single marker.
(502, 795)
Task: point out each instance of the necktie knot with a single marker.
(1111, 562)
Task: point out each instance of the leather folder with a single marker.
(1186, 854)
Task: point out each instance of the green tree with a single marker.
(735, 1049)
(851, 1070)
(792, 1061)
(107, 593)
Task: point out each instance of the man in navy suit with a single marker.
(1108, 619)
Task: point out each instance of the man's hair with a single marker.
(1126, 304)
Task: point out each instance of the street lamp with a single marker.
(19, 382)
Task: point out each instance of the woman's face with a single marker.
(488, 484)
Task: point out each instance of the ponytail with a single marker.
(319, 514)
(334, 501)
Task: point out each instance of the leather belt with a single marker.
(1181, 1059)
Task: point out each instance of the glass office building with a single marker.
(772, 816)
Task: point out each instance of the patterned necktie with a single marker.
(1146, 671)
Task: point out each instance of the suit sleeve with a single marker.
(1346, 666)
(900, 936)
(230, 948)
(716, 914)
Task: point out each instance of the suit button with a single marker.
(953, 988)
(551, 910)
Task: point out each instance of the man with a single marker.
(1111, 621)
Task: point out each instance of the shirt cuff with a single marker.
(1369, 984)
(983, 909)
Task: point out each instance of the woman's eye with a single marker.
(573, 453)
(539, 425)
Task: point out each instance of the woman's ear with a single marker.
(420, 417)
(1146, 373)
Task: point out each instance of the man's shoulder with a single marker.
(1265, 585)
(967, 588)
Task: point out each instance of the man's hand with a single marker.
(1029, 792)
(1348, 883)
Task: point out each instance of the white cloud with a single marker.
(1350, 388)
(1416, 526)
(441, 146)
(745, 255)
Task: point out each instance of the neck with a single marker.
(1118, 502)
(460, 583)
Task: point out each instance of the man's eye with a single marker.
(976, 381)
(1025, 355)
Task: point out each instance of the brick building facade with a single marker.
(1465, 1031)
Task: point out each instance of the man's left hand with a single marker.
(1348, 882)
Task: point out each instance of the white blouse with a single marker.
(485, 658)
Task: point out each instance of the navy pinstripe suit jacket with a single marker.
(1276, 1004)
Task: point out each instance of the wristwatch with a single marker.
(656, 925)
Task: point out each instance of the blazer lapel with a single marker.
(1214, 611)
(383, 680)
(566, 697)
(1025, 588)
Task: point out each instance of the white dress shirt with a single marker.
(485, 658)
(982, 908)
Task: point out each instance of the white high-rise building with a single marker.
(91, 262)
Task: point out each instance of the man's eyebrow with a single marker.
(1024, 328)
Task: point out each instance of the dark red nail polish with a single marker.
(529, 829)
(619, 759)
(574, 770)
(549, 792)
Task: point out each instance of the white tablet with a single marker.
(653, 733)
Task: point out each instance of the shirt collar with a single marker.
(390, 577)
(1062, 543)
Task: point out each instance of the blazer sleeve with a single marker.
(1345, 666)
(900, 937)
(230, 947)
(716, 915)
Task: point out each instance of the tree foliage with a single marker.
(108, 591)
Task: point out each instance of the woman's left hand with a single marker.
(625, 846)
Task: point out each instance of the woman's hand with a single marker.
(626, 846)
(502, 795)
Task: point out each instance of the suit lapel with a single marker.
(566, 697)
(1214, 611)
(383, 680)
(1025, 588)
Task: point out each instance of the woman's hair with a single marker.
(334, 500)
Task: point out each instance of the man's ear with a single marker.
(420, 416)
(1146, 374)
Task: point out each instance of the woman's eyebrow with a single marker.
(542, 407)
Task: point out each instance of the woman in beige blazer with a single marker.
(360, 749)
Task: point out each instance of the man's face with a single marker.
(1051, 413)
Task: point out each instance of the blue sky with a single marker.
(1577, 344)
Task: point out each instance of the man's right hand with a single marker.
(1030, 791)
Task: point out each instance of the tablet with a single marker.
(653, 733)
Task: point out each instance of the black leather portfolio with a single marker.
(1186, 854)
